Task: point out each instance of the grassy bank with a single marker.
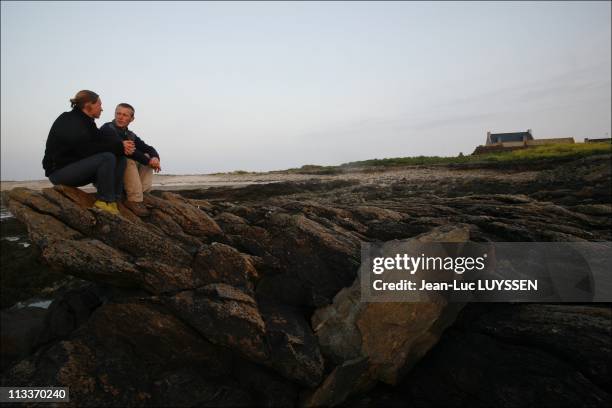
(553, 151)
(524, 156)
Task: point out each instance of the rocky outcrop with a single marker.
(383, 339)
(511, 355)
(175, 275)
(250, 296)
(126, 354)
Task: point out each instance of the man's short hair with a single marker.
(127, 105)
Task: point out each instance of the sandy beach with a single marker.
(170, 181)
(412, 173)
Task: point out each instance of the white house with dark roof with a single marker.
(494, 138)
(500, 142)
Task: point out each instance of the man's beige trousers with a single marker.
(138, 179)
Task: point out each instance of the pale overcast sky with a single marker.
(225, 86)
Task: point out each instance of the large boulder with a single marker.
(391, 336)
(317, 261)
(130, 354)
(511, 355)
(294, 350)
(224, 315)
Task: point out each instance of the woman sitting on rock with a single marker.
(76, 155)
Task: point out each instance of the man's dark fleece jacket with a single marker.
(111, 132)
(75, 136)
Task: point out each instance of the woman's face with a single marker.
(93, 110)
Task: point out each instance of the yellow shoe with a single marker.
(108, 207)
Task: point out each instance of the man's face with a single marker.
(94, 110)
(123, 116)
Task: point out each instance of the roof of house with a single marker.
(510, 137)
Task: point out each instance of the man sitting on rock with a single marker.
(138, 176)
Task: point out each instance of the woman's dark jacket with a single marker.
(75, 136)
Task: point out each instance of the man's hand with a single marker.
(129, 147)
(154, 164)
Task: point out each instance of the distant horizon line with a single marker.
(303, 165)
